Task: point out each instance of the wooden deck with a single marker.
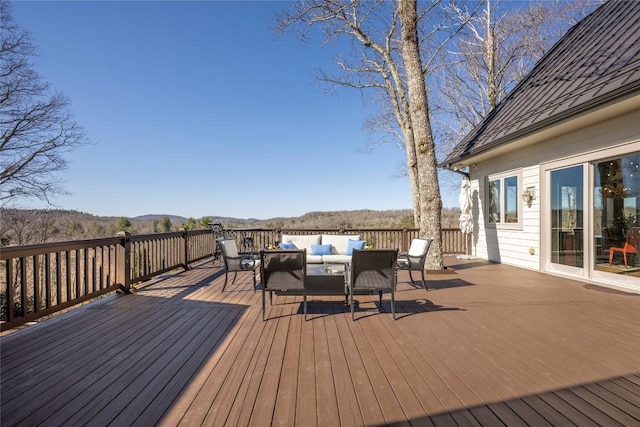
(488, 345)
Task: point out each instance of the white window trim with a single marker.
(517, 173)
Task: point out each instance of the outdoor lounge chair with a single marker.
(283, 270)
(415, 258)
(235, 261)
(374, 270)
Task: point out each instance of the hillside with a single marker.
(23, 226)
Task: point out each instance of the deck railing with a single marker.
(38, 280)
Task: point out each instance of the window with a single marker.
(504, 199)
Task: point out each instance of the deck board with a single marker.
(345, 395)
(328, 414)
(285, 403)
(488, 345)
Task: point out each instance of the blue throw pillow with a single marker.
(354, 244)
(288, 246)
(320, 249)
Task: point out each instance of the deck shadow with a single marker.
(404, 308)
(471, 264)
(138, 356)
(433, 285)
(612, 401)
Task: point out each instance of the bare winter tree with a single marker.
(389, 54)
(36, 129)
(498, 45)
(25, 227)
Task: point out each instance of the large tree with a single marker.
(389, 54)
(36, 129)
(471, 54)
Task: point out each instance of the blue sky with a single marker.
(197, 109)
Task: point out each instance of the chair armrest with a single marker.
(244, 261)
(403, 262)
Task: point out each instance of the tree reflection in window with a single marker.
(504, 199)
(616, 208)
(494, 201)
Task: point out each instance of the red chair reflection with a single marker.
(630, 246)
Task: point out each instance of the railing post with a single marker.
(123, 262)
(185, 249)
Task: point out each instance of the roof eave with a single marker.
(626, 92)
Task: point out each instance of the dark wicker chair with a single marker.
(374, 270)
(414, 259)
(235, 261)
(219, 232)
(283, 270)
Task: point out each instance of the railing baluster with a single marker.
(10, 291)
(36, 283)
(23, 285)
(77, 265)
(67, 261)
(47, 280)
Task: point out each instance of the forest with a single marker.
(32, 226)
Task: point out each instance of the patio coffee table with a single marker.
(325, 280)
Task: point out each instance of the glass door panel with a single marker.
(616, 216)
(567, 217)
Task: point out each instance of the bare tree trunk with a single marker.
(430, 203)
(412, 168)
(378, 67)
(490, 49)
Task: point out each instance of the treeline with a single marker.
(32, 226)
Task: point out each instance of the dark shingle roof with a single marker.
(597, 61)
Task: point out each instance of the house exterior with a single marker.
(555, 167)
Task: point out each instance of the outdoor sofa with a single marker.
(323, 248)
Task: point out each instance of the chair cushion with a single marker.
(336, 259)
(230, 248)
(354, 244)
(321, 249)
(288, 246)
(285, 280)
(418, 247)
(315, 259)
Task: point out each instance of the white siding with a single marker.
(508, 246)
(513, 246)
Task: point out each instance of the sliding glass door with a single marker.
(593, 219)
(567, 220)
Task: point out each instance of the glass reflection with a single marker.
(616, 196)
(566, 217)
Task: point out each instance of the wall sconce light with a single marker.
(528, 195)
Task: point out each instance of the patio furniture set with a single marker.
(325, 265)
